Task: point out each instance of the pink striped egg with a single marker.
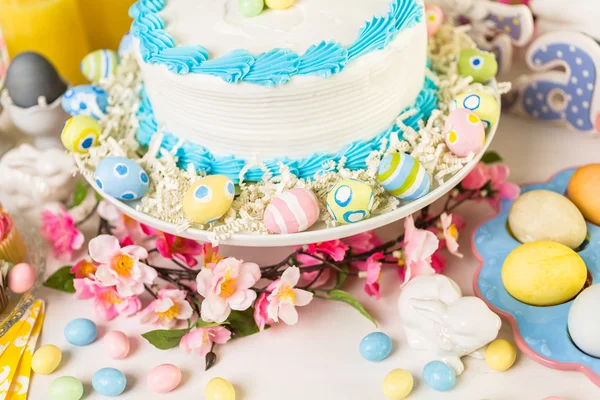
(293, 211)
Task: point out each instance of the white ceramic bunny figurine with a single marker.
(436, 317)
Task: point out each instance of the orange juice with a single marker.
(106, 21)
(53, 28)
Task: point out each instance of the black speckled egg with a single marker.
(30, 75)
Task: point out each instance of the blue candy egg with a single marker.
(81, 332)
(439, 376)
(109, 382)
(87, 100)
(376, 346)
(121, 178)
(126, 44)
(403, 176)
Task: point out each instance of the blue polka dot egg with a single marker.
(439, 376)
(482, 104)
(80, 133)
(85, 100)
(403, 176)
(121, 178)
(350, 201)
(208, 199)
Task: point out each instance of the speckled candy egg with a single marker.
(484, 105)
(403, 176)
(434, 18)
(21, 278)
(109, 382)
(543, 273)
(376, 346)
(46, 359)
(81, 332)
(121, 178)
(279, 4)
(500, 355)
(292, 211)
(219, 389)
(80, 133)
(584, 321)
(350, 201)
(164, 378)
(208, 199)
(584, 191)
(251, 8)
(439, 376)
(464, 132)
(65, 388)
(99, 64)
(397, 385)
(116, 345)
(85, 100)
(481, 65)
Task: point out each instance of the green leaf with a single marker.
(81, 191)
(242, 324)
(344, 297)
(491, 157)
(61, 280)
(164, 339)
(202, 324)
(341, 278)
(98, 196)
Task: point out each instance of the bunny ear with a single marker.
(431, 309)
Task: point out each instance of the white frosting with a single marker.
(219, 27)
(309, 114)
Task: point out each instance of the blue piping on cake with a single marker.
(274, 67)
(356, 153)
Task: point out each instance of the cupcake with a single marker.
(12, 247)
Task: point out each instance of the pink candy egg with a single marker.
(464, 132)
(434, 17)
(116, 345)
(293, 211)
(164, 378)
(21, 278)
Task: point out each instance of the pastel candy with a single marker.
(500, 355)
(439, 376)
(292, 211)
(65, 388)
(484, 105)
(109, 382)
(350, 201)
(480, 65)
(99, 64)
(46, 359)
(397, 385)
(86, 100)
(403, 176)
(80, 133)
(434, 18)
(279, 4)
(464, 132)
(584, 191)
(208, 199)
(121, 178)
(251, 8)
(164, 378)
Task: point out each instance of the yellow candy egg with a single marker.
(279, 4)
(208, 199)
(397, 385)
(543, 273)
(46, 359)
(500, 355)
(219, 389)
(80, 133)
(484, 105)
(350, 201)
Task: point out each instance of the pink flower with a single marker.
(305, 261)
(261, 314)
(450, 232)
(210, 255)
(171, 246)
(363, 242)
(419, 246)
(125, 228)
(494, 175)
(372, 268)
(438, 262)
(169, 308)
(336, 249)
(284, 298)
(60, 231)
(200, 340)
(226, 287)
(108, 303)
(84, 268)
(121, 267)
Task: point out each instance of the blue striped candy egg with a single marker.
(350, 201)
(121, 178)
(80, 133)
(99, 64)
(482, 104)
(403, 176)
(208, 199)
(87, 100)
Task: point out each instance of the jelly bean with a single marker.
(21, 278)
(376, 346)
(164, 378)
(219, 389)
(109, 382)
(81, 332)
(398, 384)
(46, 359)
(500, 355)
(116, 345)
(439, 376)
(251, 8)
(65, 388)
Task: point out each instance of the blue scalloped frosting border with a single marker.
(355, 153)
(274, 67)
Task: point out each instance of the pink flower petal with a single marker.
(303, 297)
(477, 178)
(102, 248)
(288, 314)
(137, 252)
(509, 191)
(290, 276)
(220, 335)
(104, 275)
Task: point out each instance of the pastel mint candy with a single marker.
(65, 388)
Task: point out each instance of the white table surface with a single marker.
(318, 358)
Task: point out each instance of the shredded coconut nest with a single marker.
(169, 183)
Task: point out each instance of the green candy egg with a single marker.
(65, 388)
(251, 8)
(481, 65)
(482, 104)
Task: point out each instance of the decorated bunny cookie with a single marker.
(564, 86)
(436, 317)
